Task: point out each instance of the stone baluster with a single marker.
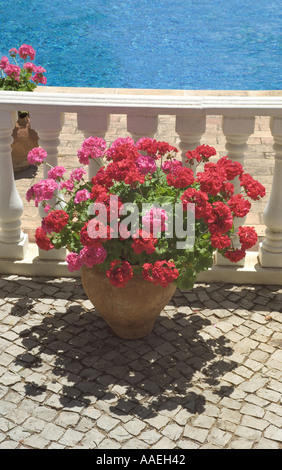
(190, 130)
(93, 125)
(237, 131)
(49, 126)
(270, 251)
(13, 242)
(142, 125)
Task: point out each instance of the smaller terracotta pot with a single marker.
(24, 140)
(129, 311)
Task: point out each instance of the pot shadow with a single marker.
(29, 172)
(171, 367)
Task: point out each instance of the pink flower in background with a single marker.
(13, 52)
(21, 76)
(93, 147)
(77, 174)
(13, 71)
(39, 69)
(81, 196)
(57, 172)
(39, 78)
(30, 66)
(26, 51)
(67, 185)
(36, 156)
(4, 62)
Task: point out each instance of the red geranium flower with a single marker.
(220, 241)
(253, 188)
(220, 219)
(42, 240)
(183, 178)
(247, 236)
(161, 273)
(235, 255)
(55, 221)
(143, 241)
(94, 232)
(239, 206)
(205, 151)
(232, 169)
(119, 273)
(200, 199)
(212, 179)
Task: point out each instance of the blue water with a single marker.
(168, 44)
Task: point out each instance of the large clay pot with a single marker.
(129, 311)
(25, 139)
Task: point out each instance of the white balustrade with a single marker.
(49, 127)
(93, 125)
(237, 130)
(142, 125)
(270, 252)
(190, 130)
(142, 111)
(13, 242)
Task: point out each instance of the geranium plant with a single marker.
(137, 213)
(24, 77)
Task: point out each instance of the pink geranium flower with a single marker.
(13, 52)
(74, 262)
(81, 196)
(57, 172)
(93, 147)
(4, 62)
(13, 71)
(30, 66)
(26, 51)
(43, 190)
(154, 220)
(77, 174)
(146, 164)
(36, 156)
(91, 255)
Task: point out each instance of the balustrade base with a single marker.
(33, 266)
(14, 251)
(267, 259)
(57, 255)
(251, 273)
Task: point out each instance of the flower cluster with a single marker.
(142, 185)
(21, 78)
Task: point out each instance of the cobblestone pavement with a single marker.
(208, 376)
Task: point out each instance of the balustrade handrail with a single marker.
(154, 104)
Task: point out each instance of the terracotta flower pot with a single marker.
(25, 139)
(129, 311)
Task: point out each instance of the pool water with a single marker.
(167, 44)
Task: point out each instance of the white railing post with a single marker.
(93, 125)
(13, 242)
(270, 251)
(237, 131)
(142, 125)
(190, 130)
(49, 126)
